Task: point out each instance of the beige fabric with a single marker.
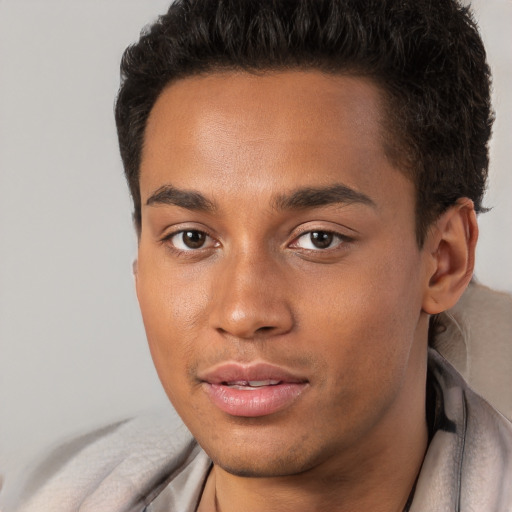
(468, 464)
(118, 468)
(477, 340)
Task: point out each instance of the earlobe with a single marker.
(450, 250)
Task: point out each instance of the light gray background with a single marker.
(72, 347)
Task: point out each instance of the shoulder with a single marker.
(486, 474)
(476, 337)
(473, 451)
(112, 468)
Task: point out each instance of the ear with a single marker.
(450, 251)
(135, 270)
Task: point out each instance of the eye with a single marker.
(318, 240)
(190, 240)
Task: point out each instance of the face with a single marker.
(278, 273)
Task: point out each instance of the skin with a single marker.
(350, 317)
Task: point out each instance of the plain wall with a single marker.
(72, 347)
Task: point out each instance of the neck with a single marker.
(307, 493)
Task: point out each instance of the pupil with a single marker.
(193, 239)
(321, 239)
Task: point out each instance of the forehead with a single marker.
(309, 93)
(269, 128)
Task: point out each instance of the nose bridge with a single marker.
(249, 300)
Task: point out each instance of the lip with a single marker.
(227, 387)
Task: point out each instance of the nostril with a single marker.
(265, 328)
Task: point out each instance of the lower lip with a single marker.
(254, 402)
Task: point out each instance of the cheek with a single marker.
(366, 317)
(173, 307)
(170, 298)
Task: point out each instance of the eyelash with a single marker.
(190, 251)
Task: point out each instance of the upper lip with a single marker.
(236, 372)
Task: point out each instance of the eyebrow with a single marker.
(188, 199)
(300, 199)
(314, 197)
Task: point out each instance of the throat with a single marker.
(232, 494)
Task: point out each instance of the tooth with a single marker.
(258, 383)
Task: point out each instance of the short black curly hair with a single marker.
(426, 55)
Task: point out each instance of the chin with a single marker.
(267, 462)
(269, 469)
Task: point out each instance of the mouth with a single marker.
(252, 390)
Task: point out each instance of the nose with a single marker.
(250, 299)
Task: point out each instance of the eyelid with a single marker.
(324, 226)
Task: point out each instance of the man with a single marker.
(305, 177)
